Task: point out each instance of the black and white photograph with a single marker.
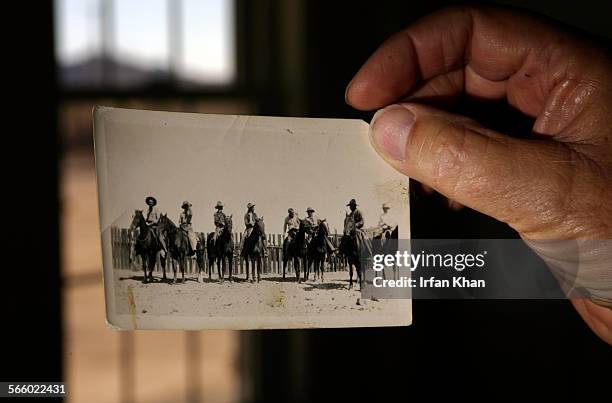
(243, 222)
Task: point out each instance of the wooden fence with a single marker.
(123, 254)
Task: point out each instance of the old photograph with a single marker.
(243, 222)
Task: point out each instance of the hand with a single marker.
(553, 186)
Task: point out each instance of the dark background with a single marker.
(493, 350)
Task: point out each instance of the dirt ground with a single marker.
(273, 296)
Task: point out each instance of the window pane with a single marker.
(142, 33)
(136, 43)
(208, 53)
(77, 30)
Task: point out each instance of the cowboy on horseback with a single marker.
(292, 222)
(290, 227)
(354, 244)
(219, 219)
(385, 223)
(250, 219)
(353, 223)
(152, 218)
(185, 224)
(314, 222)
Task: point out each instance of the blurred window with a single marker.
(140, 43)
(175, 55)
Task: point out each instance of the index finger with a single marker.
(486, 52)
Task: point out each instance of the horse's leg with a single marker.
(322, 268)
(153, 264)
(162, 261)
(156, 261)
(150, 261)
(199, 270)
(259, 264)
(145, 262)
(217, 262)
(184, 261)
(350, 266)
(230, 262)
(253, 270)
(359, 269)
(173, 269)
(246, 267)
(296, 268)
(150, 265)
(250, 263)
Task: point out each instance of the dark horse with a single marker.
(317, 250)
(357, 249)
(177, 242)
(253, 249)
(200, 251)
(387, 244)
(221, 249)
(147, 246)
(297, 249)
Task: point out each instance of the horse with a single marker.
(147, 246)
(317, 251)
(297, 249)
(221, 250)
(386, 244)
(200, 250)
(177, 243)
(357, 249)
(253, 249)
(210, 252)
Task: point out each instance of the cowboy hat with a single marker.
(186, 203)
(291, 210)
(219, 205)
(250, 205)
(352, 203)
(385, 206)
(151, 198)
(309, 209)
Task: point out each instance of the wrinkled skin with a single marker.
(556, 185)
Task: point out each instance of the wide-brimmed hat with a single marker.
(385, 206)
(309, 209)
(186, 203)
(291, 210)
(153, 199)
(353, 202)
(250, 205)
(219, 204)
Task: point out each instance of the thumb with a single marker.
(520, 182)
